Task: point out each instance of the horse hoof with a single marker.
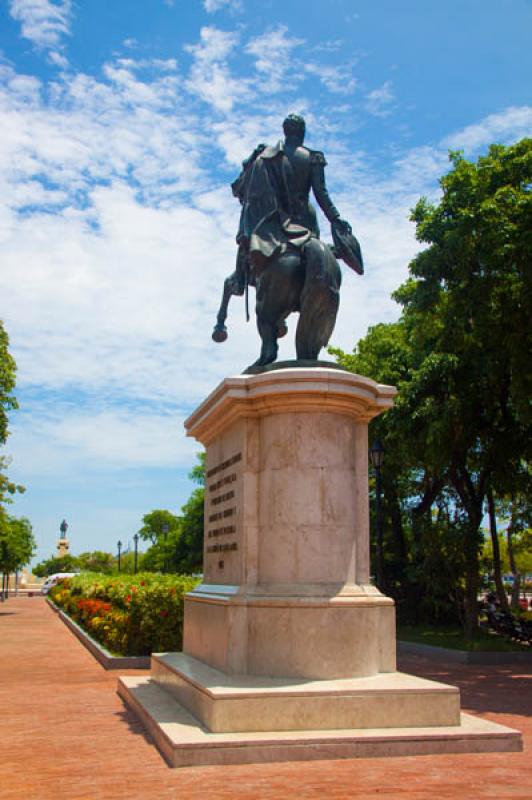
(219, 334)
(282, 330)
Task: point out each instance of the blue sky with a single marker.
(122, 125)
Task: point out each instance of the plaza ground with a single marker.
(65, 733)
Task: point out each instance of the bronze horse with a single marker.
(306, 281)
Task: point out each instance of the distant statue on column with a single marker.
(63, 545)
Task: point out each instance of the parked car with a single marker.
(51, 580)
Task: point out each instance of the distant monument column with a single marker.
(63, 545)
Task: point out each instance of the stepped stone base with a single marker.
(183, 741)
(288, 650)
(228, 703)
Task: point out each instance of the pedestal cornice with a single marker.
(288, 390)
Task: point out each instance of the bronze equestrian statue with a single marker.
(279, 248)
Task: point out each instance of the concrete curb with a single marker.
(99, 652)
(463, 656)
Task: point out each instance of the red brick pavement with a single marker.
(64, 733)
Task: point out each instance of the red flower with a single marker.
(143, 583)
(164, 613)
(128, 599)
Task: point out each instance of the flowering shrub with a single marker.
(129, 615)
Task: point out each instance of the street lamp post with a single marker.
(136, 540)
(119, 552)
(165, 530)
(376, 455)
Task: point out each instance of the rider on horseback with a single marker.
(277, 218)
(274, 188)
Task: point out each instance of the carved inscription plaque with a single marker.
(221, 527)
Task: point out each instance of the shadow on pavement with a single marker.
(501, 689)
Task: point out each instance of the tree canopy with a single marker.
(50, 566)
(460, 357)
(8, 370)
(181, 548)
(157, 524)
(17, 543)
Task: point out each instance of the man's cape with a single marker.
(264, 222)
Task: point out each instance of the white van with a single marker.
(51, 580)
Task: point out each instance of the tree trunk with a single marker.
(397, 524)
(472, 582)
(499, 586)
(472, 498)
(513, 567)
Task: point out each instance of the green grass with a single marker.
(454, 639)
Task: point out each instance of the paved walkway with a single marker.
(64, 733)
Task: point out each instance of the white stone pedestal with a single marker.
(286, 637)
(286, 588)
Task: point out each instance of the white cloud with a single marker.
(279, 69)
(328, 46)
(58, 59)
(95, 131)
(379, 102)
(212, 6)
(272, 52)
(44, 23)
(514, 122)
(210, 77)
(337, 79)
(64, 439)
(117, 228)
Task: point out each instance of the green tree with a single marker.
(50, 566)
(421, 557)
(17, 544)
(8, 371)
(162, 528)
(467, 308)
(188, 557)
(8, 402)
(189, 549)
(462, 350)
(181, 549)
(517, 512)
(522, 545)
(96, 561)
(157, 525)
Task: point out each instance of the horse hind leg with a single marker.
(269, 348)
(320, 299)
(278, 291)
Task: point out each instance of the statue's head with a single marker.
(294, 127)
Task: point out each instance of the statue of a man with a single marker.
(274, 188)
(279, 247)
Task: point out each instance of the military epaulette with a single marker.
(257, 151)
(317, 157)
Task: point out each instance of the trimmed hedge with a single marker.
(130, 615)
